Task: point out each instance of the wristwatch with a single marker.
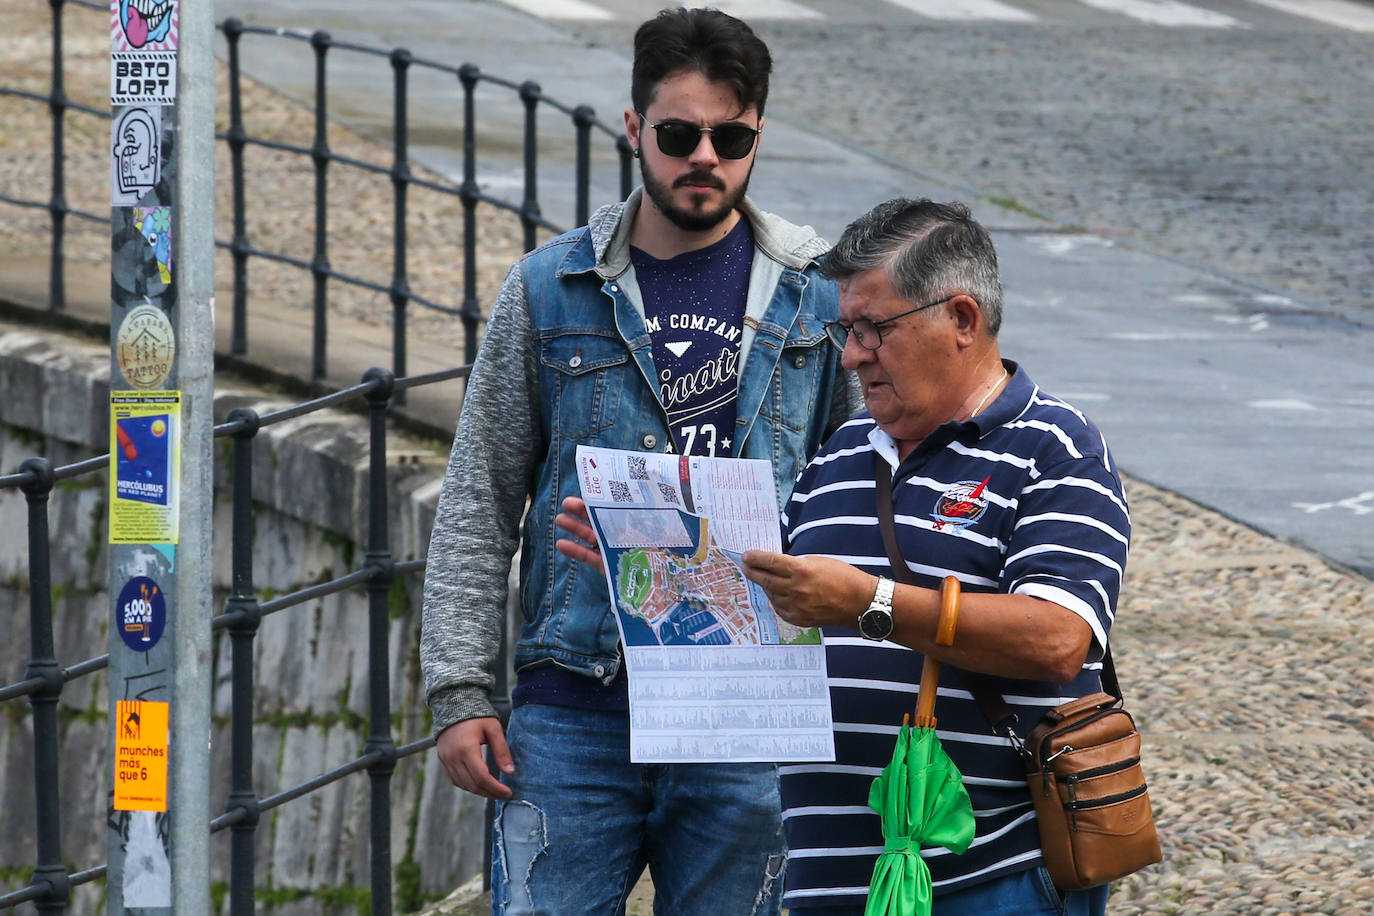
(876, 622)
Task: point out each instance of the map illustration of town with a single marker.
(696, 597)
(714, 675)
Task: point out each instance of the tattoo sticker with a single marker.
(145, 347)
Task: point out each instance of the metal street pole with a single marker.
(161, 428)
(195, 126)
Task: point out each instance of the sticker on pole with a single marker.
(143, 25)
(145, 472)
(143, 77)
(135, 154)
(141, 613)
(140, 777)
(145, 346)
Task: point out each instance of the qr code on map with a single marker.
(620, 491)
(669, 494)
(639, 468)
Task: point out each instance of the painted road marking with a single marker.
(965, 10)
(1282, 404)
(1340, 13)
(1166, 13)
(1359, 505)
(767, 9)
(1252, 322)
(561, 9)
(1155, 336)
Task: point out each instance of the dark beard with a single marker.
(687, 220)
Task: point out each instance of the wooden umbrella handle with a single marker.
(949, 611)
(944, 636)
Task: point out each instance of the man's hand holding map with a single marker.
(714, 675)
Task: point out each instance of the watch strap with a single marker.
(882, 596)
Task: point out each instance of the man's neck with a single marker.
(990, 377)
(654, 234)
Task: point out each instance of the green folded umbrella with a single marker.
(920, 795)
(922, 802)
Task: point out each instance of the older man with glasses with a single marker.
(993, 481)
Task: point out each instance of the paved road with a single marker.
(1182, 210)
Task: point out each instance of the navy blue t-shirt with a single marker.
(694, 312)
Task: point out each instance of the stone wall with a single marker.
(310, 704)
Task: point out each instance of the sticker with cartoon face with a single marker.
(155, 225)
(143, 24)
(136, 154)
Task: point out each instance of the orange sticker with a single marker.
(140, 776)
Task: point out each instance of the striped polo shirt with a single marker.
(1021, 499)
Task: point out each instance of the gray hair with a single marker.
(930, 251)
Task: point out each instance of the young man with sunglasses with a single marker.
(683, 320)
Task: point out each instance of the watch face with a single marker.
(875, 624)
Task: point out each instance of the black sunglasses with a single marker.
(679, 138)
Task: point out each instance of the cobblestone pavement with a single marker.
(1242, 149)
(1247, 664)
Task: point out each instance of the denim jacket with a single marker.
(567, 360)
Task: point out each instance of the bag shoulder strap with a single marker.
(990, 701)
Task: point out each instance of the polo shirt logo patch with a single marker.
(961, 504)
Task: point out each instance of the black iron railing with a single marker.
(396, 287)
(45, 678)
(51, 884)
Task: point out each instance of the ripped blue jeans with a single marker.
(584, 822)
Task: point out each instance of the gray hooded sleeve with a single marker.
(477, 522)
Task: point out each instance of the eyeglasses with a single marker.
(679, 138)
(867, 332)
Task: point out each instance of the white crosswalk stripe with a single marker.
(965, 10)
(1345, 14)
(766, 9)
(561, 9)
(1340, 13)
(1166, 13)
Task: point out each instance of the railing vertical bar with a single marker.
(379, 561)
(244, 600)
(319, 151)
(49, 868)
(583, 116)
(471, 310)
(237, 138)
(530, 94)
(400, 179)
(57, 203)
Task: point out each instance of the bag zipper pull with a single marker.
(1045, 769)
